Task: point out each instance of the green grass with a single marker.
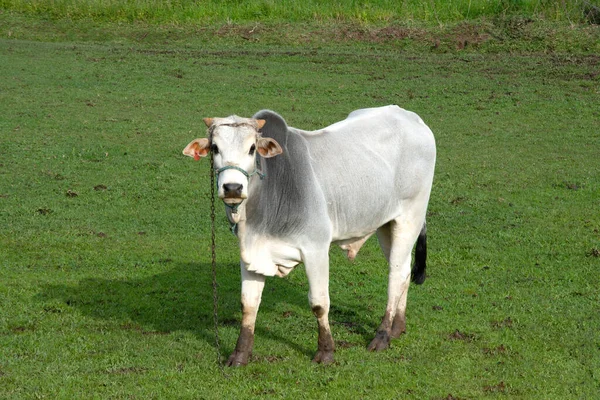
(105, 288)
(182, 11)
(497, 33)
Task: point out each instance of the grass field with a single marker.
(105, 287)
(372, 11)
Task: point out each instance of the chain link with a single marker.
(214, 262)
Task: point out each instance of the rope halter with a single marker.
(234, 207)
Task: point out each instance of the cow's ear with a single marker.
(197, 148)
(268, 147)
(208, 122)
(260, 123)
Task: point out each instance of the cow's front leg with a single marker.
(326, 345)
(317, 271)
(252, 288)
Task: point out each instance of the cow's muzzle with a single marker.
(233, 193)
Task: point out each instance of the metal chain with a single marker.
(214, 262)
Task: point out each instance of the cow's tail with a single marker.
(418, 269)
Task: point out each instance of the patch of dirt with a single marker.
(245, 32)
(450, 397)
(498, 388)
(457, 200)
(53, 309)
(459, 37)
(569, 185)
(565, 63)
(506, 323)
(346, 32)
(21, 329)
(467, 35)
(560, 60)
(495, 351)
(265, 392)
(594, 252)
(352, 327)
(515, 27)
(458, 335)
(377, 35)
(55, 176)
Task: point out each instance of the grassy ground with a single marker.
(373, 11)
(105, 278)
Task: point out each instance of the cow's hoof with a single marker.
(238, 359)
(323, 357)
(381, 342)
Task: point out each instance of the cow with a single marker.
(291, 193)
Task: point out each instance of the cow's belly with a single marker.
(270, 256)
(359, 215)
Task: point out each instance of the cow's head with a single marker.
(234, 142)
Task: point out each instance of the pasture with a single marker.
(105, 282)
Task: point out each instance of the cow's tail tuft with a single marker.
(418, 269)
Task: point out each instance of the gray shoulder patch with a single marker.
(286, 202)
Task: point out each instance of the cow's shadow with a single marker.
(182, 299)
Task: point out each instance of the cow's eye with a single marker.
(214, 149)
(252, 149)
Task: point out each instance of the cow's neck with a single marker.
(238, 222)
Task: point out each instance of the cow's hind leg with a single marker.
(397, 239)
(317, 271)
(418, 277)
(252, 288)
(384, 235)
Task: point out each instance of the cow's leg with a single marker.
(252, 288)
(384, 235)
(397, 239)
(399, 324)
(317, 271)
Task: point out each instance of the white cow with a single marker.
(292, 193)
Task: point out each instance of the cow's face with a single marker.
(234, 143)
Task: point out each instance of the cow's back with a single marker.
(370, 165)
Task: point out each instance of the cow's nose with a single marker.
(232, 189)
